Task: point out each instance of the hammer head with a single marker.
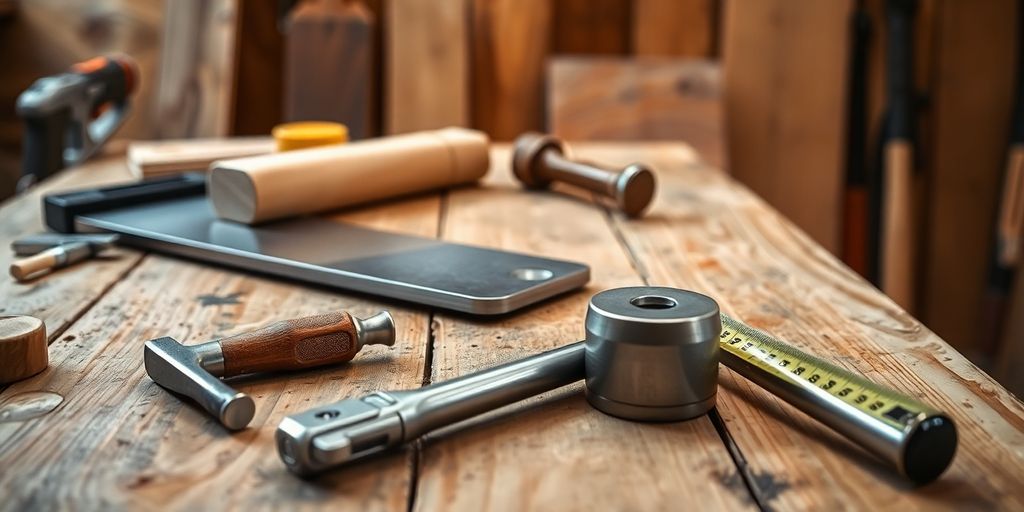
(192, 371)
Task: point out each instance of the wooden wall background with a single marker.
(770, 78)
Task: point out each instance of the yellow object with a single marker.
(309, 134)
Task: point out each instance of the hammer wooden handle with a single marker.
(329, 338)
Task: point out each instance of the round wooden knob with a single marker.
(22, 347)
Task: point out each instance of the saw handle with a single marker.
(329, 338)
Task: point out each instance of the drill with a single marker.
(70, 115)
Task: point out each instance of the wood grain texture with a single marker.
(784, 106)
(326, 338)
(92, 431)
(676, 28)
(511, 39)
(647, 98)
(427, 60)
(708, 235)
(331, 66)
(555, 452)
(136, 446)
(975, 56)
(197, 65)
(59, 298)
(599, 27)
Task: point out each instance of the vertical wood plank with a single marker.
(971, 104)
(683, 28)
(427, 59)
(194, 97)
(259, 68)
(511, 41)
(785, 96)
(591, 27)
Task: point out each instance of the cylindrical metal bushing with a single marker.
(652, 353)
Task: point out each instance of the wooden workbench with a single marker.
(94, 432)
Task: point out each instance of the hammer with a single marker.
(307, 342)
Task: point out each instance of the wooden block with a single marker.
(197, 65)
(147, 159)
(22, 348)
(971, 107)
(426, 44)
(510, 43)
(268, 187)
(785, 102)
(330, 65)
(637, 99)
(677, 28)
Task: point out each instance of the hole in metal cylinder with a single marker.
(653, 302)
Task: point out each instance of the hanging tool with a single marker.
(538, 160)
(308, 342)
(648, 355)
(70, 115)
(897, 240)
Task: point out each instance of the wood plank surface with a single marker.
(117, 441)
(676, 28)
(197, 65)
(785, 99)
(511, 40)
(427, 60)
(555, 452)
(598, 27)
(93, 432)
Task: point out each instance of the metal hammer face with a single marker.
(194, 371)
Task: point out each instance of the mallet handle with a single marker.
(329, 338)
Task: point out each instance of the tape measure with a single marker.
(917, 439)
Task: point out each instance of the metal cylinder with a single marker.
(651, 353)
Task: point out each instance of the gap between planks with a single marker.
(428, 364)
(742, 467)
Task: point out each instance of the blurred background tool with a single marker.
(70, 115)
(330, 65)
(57, 257)
(897, 229)
(538, 160)
(22, 348)
(855, 209)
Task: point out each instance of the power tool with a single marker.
(70, 115)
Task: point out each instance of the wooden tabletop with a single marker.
(94, 432)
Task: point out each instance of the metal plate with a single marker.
(421, 270)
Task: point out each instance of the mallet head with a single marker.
(192, 371)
